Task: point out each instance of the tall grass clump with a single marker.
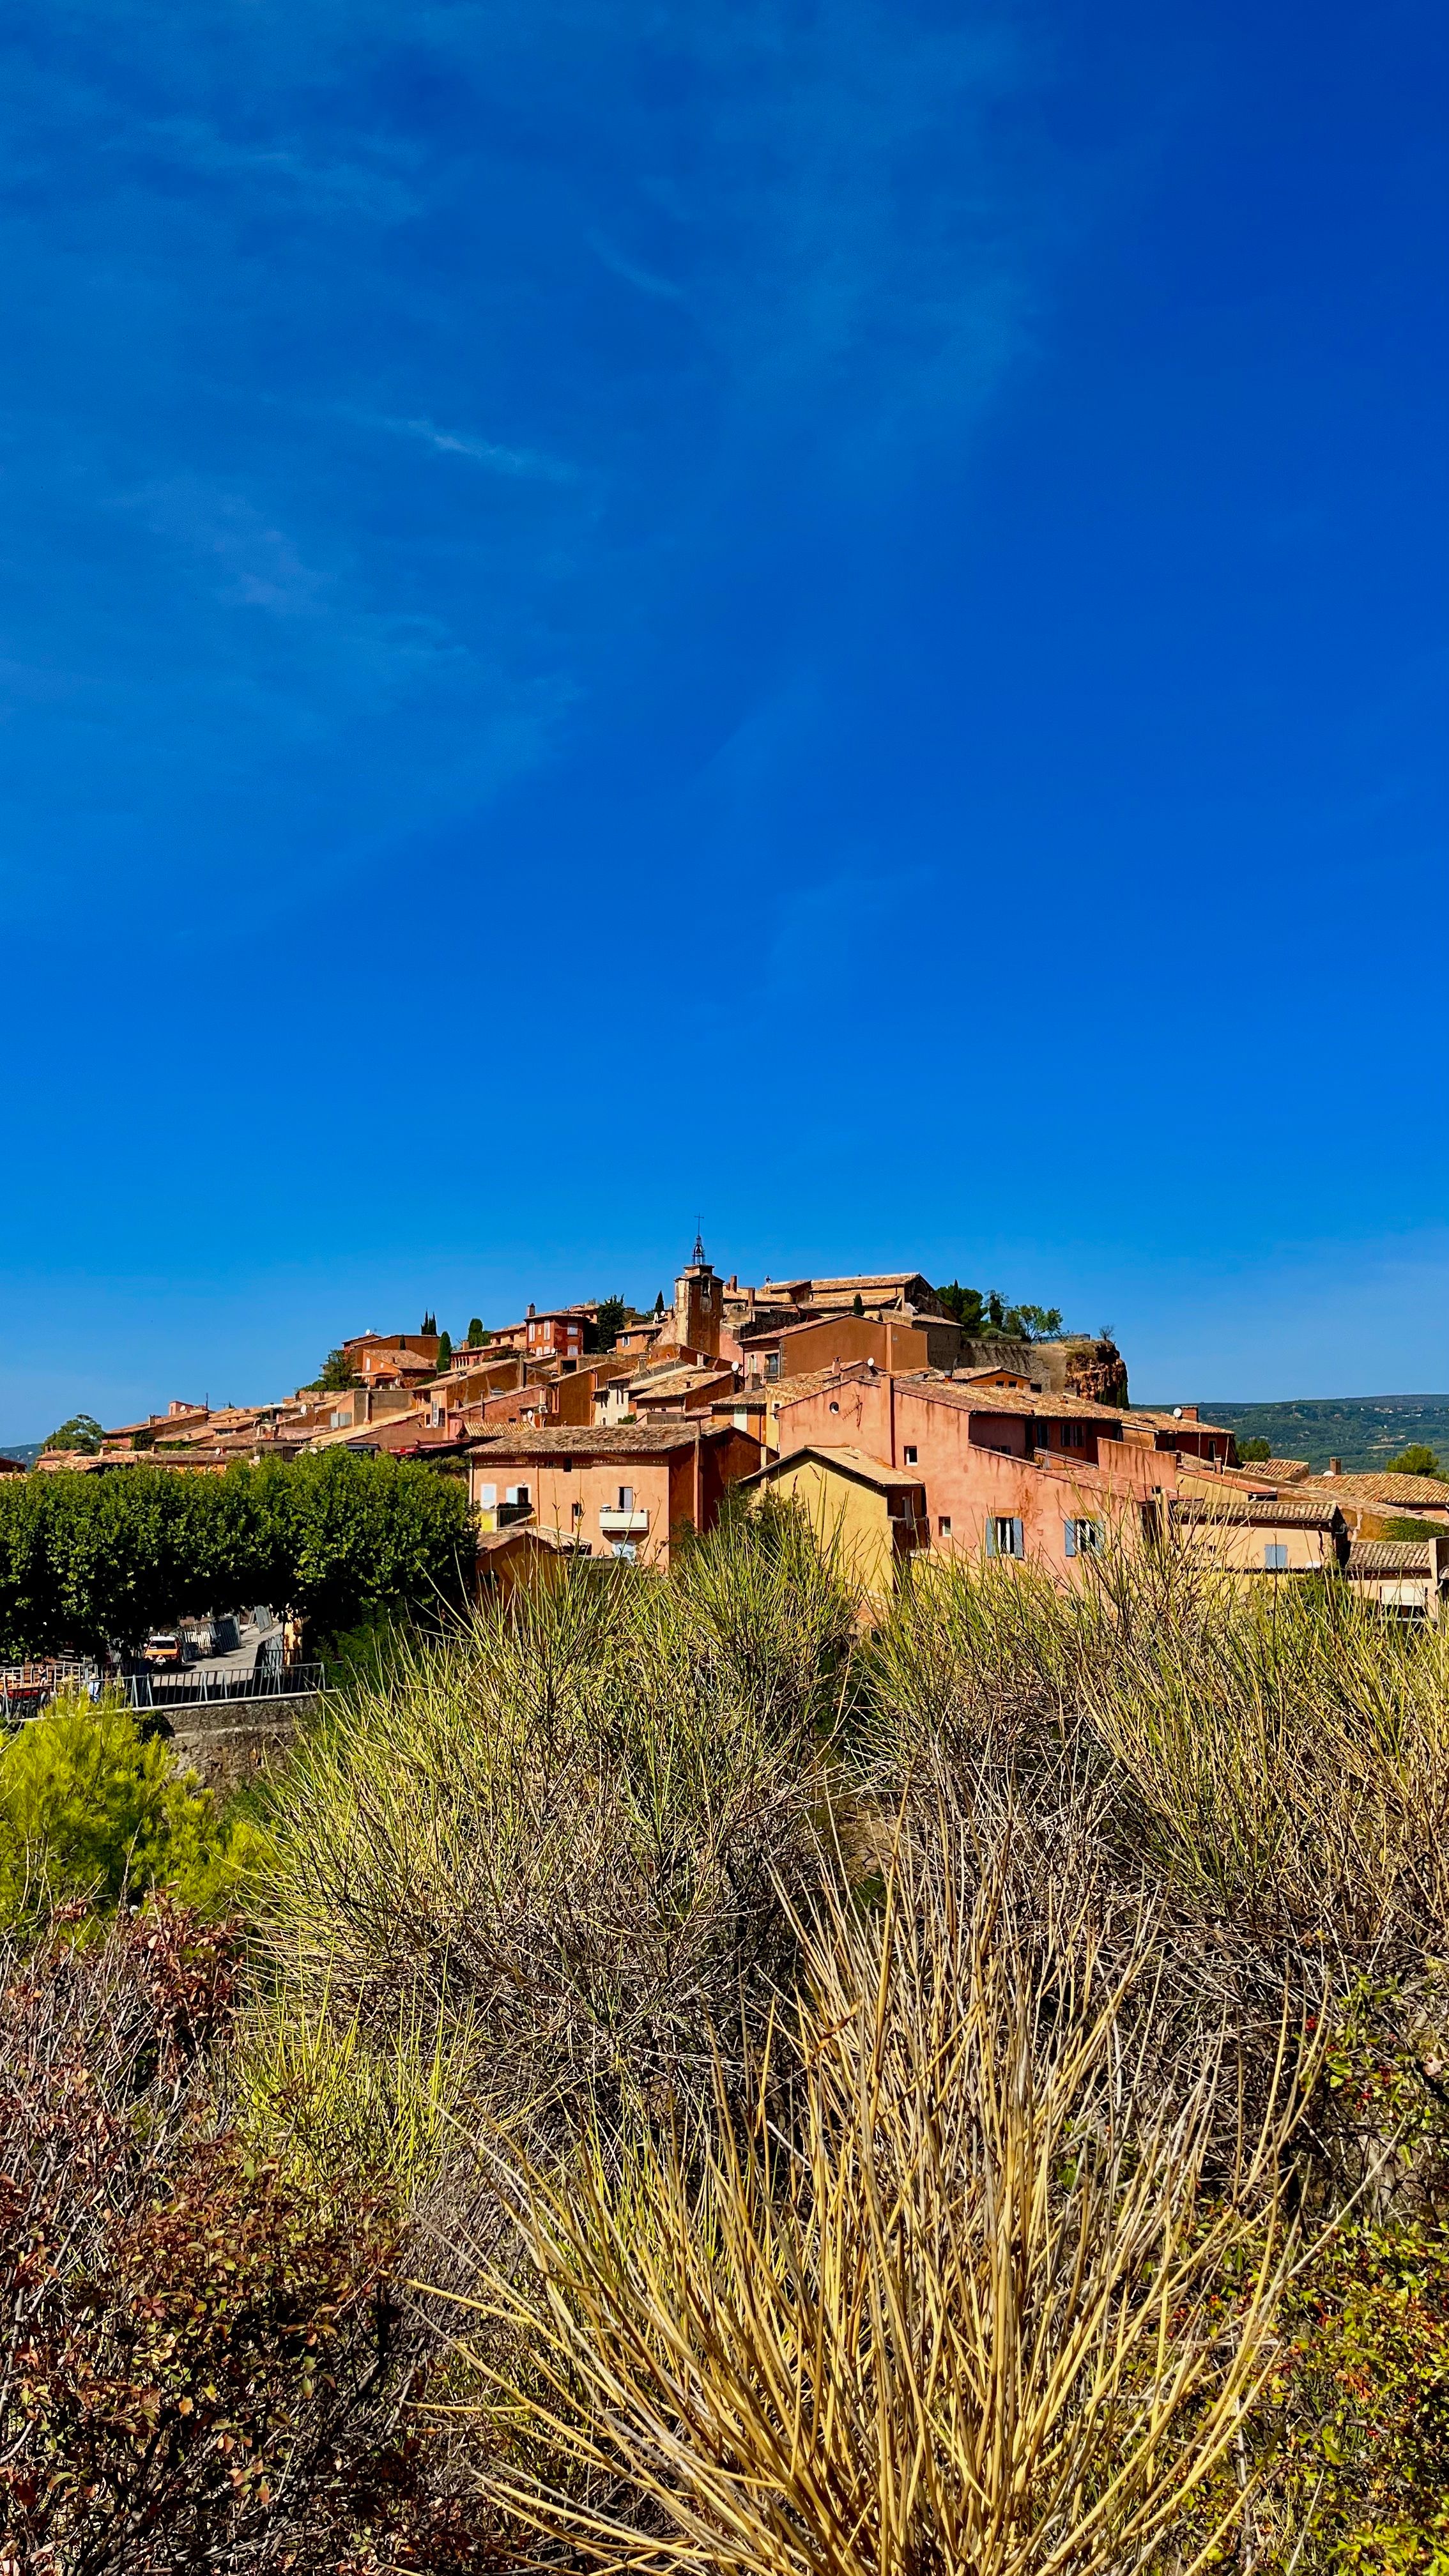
(1288, 1752)
(956, 2286)
(968, 2095)
(555, 1841)
(1274, 1757)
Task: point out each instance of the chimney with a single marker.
(1335, 1466)
(1189, 1412)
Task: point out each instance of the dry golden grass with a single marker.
(947, 2296)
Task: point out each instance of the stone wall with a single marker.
(232, 1742)
(1078, 1366)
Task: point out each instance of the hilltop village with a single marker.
(600, 1431)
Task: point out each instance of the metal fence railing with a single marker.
(25, 1688)
(195, 1689)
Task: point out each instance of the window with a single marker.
(517, 1494)
(1275, 1557)
(943, 1525)
(1005, 1538)
(487, 1494)
(1071, 1435)
(626, 1498)
(772, 1366)
(910, 1457)
(834, 1407)
(578, 1511)
(1082, 1538)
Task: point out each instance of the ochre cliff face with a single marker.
(1097, 1371)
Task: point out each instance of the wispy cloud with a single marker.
(297, 251)
(634, 273)
(524, 462)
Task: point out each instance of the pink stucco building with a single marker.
(1007, 1470)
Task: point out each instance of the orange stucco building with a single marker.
(625, 1492)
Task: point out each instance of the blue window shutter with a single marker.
(1069, 1537)
(1018, 1539)
(990, 1534)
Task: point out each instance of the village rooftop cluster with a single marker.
(865, 1399)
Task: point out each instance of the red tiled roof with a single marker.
(845, 1461)
(581, 1440)
(1258, 1511)
(1390, 1556)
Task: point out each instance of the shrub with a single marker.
(956, 2304)
(867, 2089)
(91, 1811)
(205, 2357)
(554, 1841)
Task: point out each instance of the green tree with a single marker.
(612, 1315)
(1039, 1323)
(1418, 1460)
(429, 1323)
(476, 1335)
(445, 1350)
(82, 1432)
(857, 1304)
(336, 1373)
(1251, 1451)
(659, 1303)
(963, 1305)
(90, 1810)
(88, 1561)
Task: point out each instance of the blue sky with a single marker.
(830, 620)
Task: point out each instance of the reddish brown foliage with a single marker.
(201, 2363)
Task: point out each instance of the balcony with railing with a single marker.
(615, 1523)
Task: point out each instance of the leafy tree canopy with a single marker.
(429, 1323)
(1250, 1451)
(1418, 1460)
(1038, 1323)
(81, 1432)
(963, 1304)
(445, 1349)
(984, 1317)
(613, 1314)
(336, 1373)
(476, 1335)
(88, 1561)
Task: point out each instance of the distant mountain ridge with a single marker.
(24, 1452)
(1363, 1431)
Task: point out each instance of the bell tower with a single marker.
(698, 1304)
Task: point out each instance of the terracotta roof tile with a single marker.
(856, 1463)
(583, 1440)
(1257, 1511)
(1390, 1556)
